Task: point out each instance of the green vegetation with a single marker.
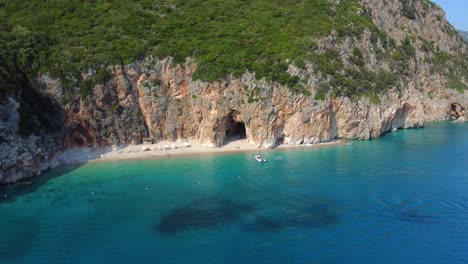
(69, 37)
(357, 57)
(329, 62)
(356, 82)
(156, 82)
(115, 108)
(427, 46)
(427, 4)
(224, 37)
(455, 84)
(408, 9)
(351, 21)
(441, 57)
(320, 96)
(402, 55)
(253, 95)
(21, 52)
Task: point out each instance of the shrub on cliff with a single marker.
(21, 55)
(66, 38)
(225, 37)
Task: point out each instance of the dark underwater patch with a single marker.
(17, 237)
(416, 217)
(202, 213)
(407, 215)
(264, 224)
(211, 212)
(312, 217)
(317, 216)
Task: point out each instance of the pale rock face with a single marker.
(161, 100)
(173, 106)
(429, 22)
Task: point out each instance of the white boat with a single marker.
(260, 158)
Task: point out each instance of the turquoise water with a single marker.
(402, 198)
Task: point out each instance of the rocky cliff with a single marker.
(464, 35)
(159, 98)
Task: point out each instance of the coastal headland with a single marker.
(273, 73)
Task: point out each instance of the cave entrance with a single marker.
(235, 128)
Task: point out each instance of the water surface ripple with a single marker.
(402, 198)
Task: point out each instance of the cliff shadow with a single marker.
(279, 141)
(10, 192)
(39, 112)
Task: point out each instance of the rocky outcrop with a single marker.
(421, 18)
(458, 113)
(464, 35)
(23, 157)
(158, 99)
(155, 98)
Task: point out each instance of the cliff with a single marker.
(464, 35)
(423, 72)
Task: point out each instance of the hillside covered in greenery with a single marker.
(67, 38)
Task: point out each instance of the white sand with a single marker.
(194, 148)
(163, 149)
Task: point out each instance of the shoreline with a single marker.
(156, 151)
(170, 149)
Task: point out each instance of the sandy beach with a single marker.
(166, 149)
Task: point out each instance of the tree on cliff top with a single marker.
(224, 38)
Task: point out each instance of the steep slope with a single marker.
(290, 71)
(464, 35)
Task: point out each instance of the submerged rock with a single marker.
(203, 213)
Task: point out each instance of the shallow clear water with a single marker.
(402, 198)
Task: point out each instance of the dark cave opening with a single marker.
(279, 141)
(234, 130)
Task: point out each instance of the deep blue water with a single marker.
(402, 198)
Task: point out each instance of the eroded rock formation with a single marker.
(159, 99)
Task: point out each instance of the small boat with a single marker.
(350, 144)
(260, 158)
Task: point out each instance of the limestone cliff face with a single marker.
(159, 99)
(417, 17)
